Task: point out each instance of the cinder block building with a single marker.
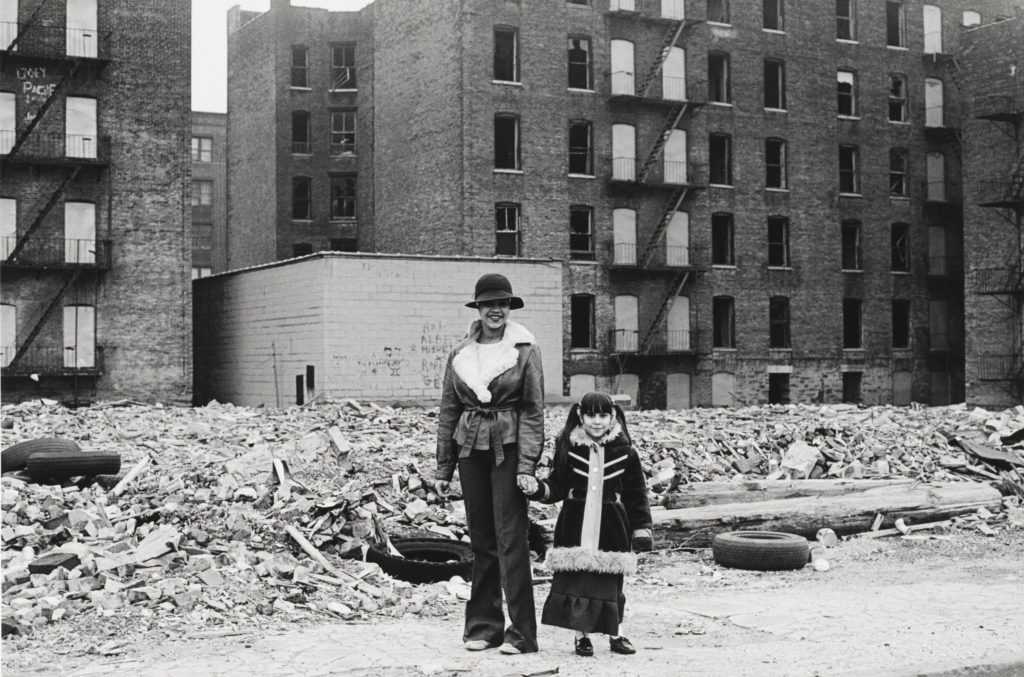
(94, 133)
(753, 202)
(209, 193)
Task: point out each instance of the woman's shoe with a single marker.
(584, 647)
(621, 645)
(509, 649)
(476, 644)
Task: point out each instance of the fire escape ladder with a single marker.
(24, 345)
(69, 72)
(675, 114)
(677, 285)
(671, 35)
(671, 207)
(38, 219)
(14, 43)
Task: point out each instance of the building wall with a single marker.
(211, 253)
(375, 327)
(142, 306)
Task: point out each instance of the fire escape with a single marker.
(47, 269)
(665, 259)
(1005, 195)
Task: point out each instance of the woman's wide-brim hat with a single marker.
(493, 287)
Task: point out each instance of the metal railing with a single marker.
(57, 252)
(938, 265)
(58, 147)
(1007, 192)
(623, 5)
(625, 254)
(625, 340)
(998, 281)
(624, 169)
(1000, 368)
(673, 9)
(302, 147)
(623, 83)
(674, 172)
(673, 87)
(67, 361)
(34, 39)
(995, 105)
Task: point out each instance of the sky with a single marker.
(210, 45)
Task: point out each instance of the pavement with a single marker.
(910, 626)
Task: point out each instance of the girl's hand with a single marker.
(527, 484)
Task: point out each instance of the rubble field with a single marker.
(226, 520)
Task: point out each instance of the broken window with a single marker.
(849, 170)
(846, 93)
(506, 226)
(300, 66)
(302, 205)
(343, 132)
(581, 233)
(720, 168)
(301, 132)
(719, 87)
(343, 196)
(202, 149)
(343, 67)
(900, 258)
(898, 172)
(775, 163)
(723, 321)
(722, 240)
(900, 323)
(579, 63)
(851, 245)
(897, 98)
(506, 55)
(581, 321)
(581, 155)
(718, 11)
(895, 25)
(506, 141)
(774, 84)
(852, 323)
(778, 241)
(772, 12)
(778, 322)
(846, 23)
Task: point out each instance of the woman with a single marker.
(491, 425)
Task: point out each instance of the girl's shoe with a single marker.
(621, 645)
(584, 647)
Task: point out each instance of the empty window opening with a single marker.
(579, 63)
(581, 233)
(846, 24)
(301, 132)
(302, 203)
(506, 226)
(846, 93)
(506, 55)
(720, 169)
(851, 386)
(895, 24)
(719, 81)
(722, 240)
(849, 170)
(852, 323)
(343, 67)
(581, 323)
(506, 142)
(343, 132)
(900, 257)
(772, 11)
(343, 197)
(851, 245)
(775, 163)
(300, 66)
(723, 320)
(581, 155)
(898, 172)
(778, 241)
(718, 11)
(774, 84)
(778, 388)
(900, 323)
(778, 322)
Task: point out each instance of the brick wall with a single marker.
(376, 327)
(214, 127)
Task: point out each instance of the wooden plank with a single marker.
(709, 493)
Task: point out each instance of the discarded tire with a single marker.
(60, 465)
(760, 550)
(424, 560)
(16, 456)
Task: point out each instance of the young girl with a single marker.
(597, 476)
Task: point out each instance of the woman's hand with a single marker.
(441, 488)
(527, 484)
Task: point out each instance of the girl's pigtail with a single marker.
(621, 415)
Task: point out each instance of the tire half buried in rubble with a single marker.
(760, 550)
(16, 456)
(424, 560)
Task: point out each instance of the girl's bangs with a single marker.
(596, 403)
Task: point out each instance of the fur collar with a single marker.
(478, 377)
(579, 436)
(596, 561)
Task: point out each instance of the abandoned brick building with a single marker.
(94, 127)
(209, 193)
(762, 202)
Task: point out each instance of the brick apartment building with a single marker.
(754, 201)
(209, 193)
(95, 232)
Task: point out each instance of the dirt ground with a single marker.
(685, 614)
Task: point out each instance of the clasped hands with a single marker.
(527, 484)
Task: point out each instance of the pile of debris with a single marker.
(227, 515)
